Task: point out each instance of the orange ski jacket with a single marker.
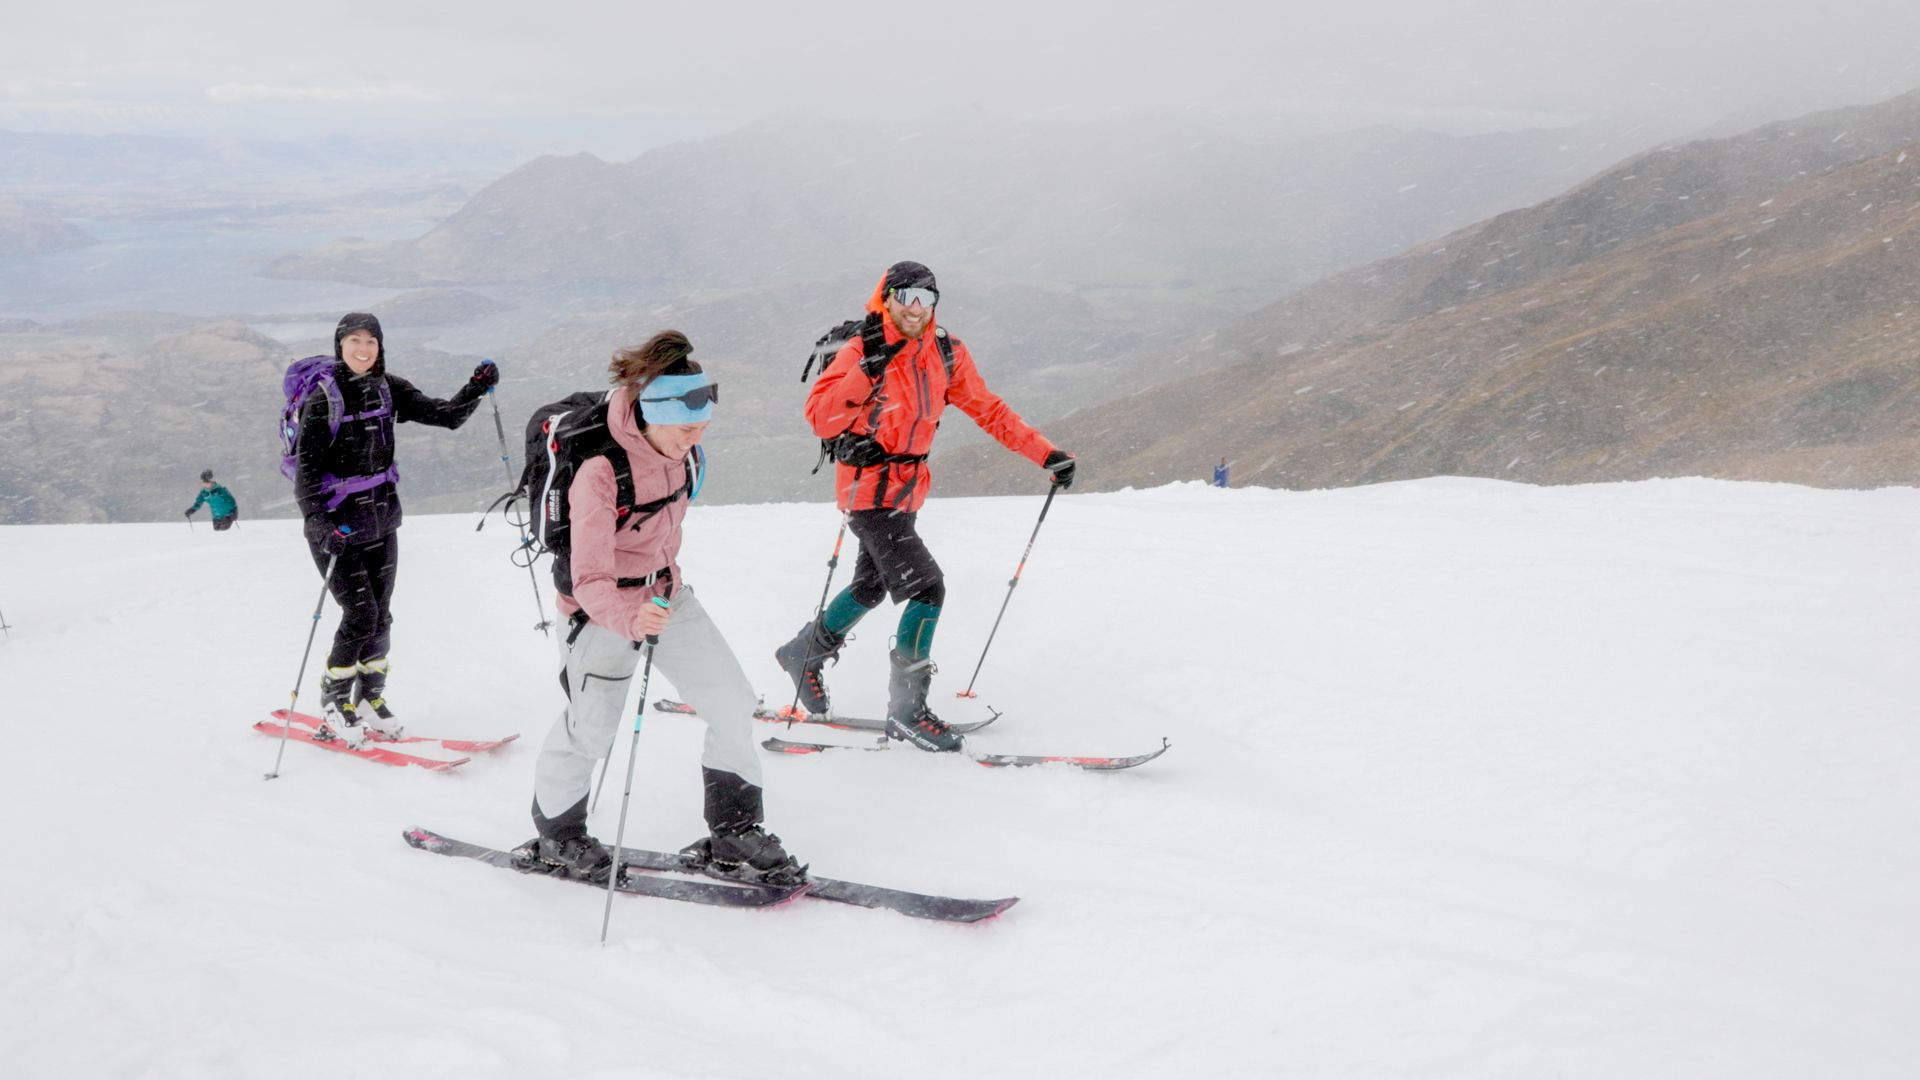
(903, 412)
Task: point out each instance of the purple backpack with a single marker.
(302, 379)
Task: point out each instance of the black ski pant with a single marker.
(362, 584)
(893, 560)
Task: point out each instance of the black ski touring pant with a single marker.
(893, 561)
(362, 585)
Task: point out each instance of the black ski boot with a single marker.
(371, 700)
(336, 707)
(908, 717)
(737, 847)
(749, 855)
(575, 856)
(804, 656)
(563, 846)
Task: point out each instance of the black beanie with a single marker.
(358, 320)
(910, 275)
(206, 476)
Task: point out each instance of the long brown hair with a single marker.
(665, 353)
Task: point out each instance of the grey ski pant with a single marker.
(597, 668)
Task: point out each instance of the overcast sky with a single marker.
(614, 78)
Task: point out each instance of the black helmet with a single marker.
(206, 476)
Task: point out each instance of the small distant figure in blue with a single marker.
(1220, 474)
(218, 501)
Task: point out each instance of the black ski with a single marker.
(666, 888)
(992, 761)
(917, 905)
(836, 721)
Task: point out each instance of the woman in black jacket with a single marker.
(346, 484)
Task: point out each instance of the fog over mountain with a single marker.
(1063, 248)
(1104, 289)
(1141, 204)
(1635, 199)
(176, 165)
(1739, 308)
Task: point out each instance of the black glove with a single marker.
(1060, 463)
(486, 375)
(190, 511)
(324, 535)
(872, 366)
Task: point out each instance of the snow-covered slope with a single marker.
(1468, 780)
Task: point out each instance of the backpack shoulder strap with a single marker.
(336, 404)
(623, 493)
(946, 349)
(595, 439)
(696, 464)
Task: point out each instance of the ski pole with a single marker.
(190, 527)
(606, 762)
(633, 752)
(293, 700)
(526, 542)
(833, 561)
(1052, 489)
(4, 628)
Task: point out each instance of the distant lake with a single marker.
(188, 268)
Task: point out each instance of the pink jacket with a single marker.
(600, 554)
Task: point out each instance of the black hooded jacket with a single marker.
(364, 447)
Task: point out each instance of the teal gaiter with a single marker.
(843, 612)
(916, 629)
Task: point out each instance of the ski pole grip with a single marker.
(654, 639)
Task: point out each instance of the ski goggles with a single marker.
(924, 297)
(679, 399)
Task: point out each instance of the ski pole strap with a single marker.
(338, 488)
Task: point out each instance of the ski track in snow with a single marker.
(1468, 779)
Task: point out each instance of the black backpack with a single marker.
(864, 450)
(561, 436)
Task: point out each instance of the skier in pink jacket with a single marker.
(621, 562)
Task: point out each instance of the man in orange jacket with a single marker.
(879, 400)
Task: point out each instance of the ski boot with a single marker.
(736, 847)
(577, 856)
(803, 657)
(371, 701)
(341, 722)
(908, 718)
(752, 855)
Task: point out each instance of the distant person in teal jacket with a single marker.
(1220, 474)
(219, 502)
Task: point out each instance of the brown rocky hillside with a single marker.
(1639, 198)
(1777, 338)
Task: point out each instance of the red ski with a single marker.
(458, 746)
(368, 753)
